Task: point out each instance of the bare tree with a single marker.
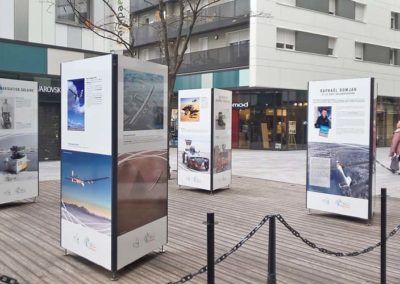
(174, 30)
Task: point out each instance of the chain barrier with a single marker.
(327, 251)
(8, 280)
(295, 233)
(386, 167)
(190, 276)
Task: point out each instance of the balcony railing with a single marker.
(213, 18)
(214, 59)
(143, 5)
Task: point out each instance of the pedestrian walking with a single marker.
(395, 149)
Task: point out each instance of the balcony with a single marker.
(138, 6)
(233, 13)
(233, 56)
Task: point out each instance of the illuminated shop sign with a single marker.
(49, 90)
(240, 105)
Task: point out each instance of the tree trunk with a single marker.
(171, 86)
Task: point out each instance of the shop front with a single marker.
(269, 119)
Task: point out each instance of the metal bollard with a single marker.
(210, 249)
(272, 252)
(383, 235)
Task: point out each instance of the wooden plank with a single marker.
(30, 243)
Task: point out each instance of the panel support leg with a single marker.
(114, 276)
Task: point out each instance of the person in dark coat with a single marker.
(323, 120)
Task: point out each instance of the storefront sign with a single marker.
(240, 105)
(49, 90)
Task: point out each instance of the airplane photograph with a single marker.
(76, 105)
(190, 109)
(76, 179)
(143, 101)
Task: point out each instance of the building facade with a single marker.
(266, 52)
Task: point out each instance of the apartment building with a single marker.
(329, 39)
(265, 51)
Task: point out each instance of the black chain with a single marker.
(383, 166)
(190, 276)
(327, 251)
(8, 280)
(295, 233)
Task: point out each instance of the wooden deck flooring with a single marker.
(30, 251)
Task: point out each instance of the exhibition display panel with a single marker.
(341, 147)
(204, 138)
(19, 164)
(114, 182)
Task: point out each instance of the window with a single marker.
(331, 45)
(285, 39)
(65, 13)
(394, 21)
(203, 43)
(316, 5)
(313, 43)
(376, 53)
(394, 57)
(359, 51)
(235, 37)
(332, 5)
(359, 13)
(305, 42)
(345, 8)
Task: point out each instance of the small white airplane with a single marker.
(347, 179)
(76, 179)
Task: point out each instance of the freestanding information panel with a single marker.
(19, 164)
(204, 138)
(341, 147)
(114, 184)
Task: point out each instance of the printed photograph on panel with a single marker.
(323, 120)
(143, 101)
(193, 159)
(142, 189)
(86, 190)
(76, 105)
(7, 113)
(18, 160)
(222, 158)
(190, 109)
(339, 169)
(220, 121)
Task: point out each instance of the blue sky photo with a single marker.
(189, 100)
(96, 197)
(76, 104)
